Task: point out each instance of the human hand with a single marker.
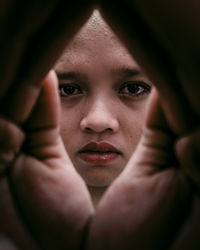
(49, 199)
(28, 38)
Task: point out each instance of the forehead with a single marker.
(95, 40)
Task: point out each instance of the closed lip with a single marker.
(99, 147)
(99, 153)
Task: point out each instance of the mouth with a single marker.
(99, 153)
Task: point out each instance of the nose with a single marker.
(100, 117)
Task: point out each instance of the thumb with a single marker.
(46, 112)
(42, 127)
(188, 151)
(156, 147)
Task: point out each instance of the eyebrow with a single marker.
(121, 72)
(127, 72)
(71, 75)
(124, 71)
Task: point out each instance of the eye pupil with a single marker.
(69, 90)
(133, 88)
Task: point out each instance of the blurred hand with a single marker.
(48, 198)
(33, 35)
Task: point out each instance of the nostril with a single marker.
(99, 120)
(88, 129)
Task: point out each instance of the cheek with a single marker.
(69, 127)
(133, 126)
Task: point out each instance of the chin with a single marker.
(99, 177)
(98, 180)
(98, 184)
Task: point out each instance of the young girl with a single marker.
(103, 97)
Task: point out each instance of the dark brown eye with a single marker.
(69, 90)
(135, 88)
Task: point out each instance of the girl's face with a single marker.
(103, 98)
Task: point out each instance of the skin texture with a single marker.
(155, 202)
(101, 107)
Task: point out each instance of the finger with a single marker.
(152, 195)
(11, 139)
(176, 24)
(46, 44)
(145, 29)
(46, 112)
(16, 27)
(42, 127)
(156, 119)
(157, 141)
(188, 151)
(59, 210)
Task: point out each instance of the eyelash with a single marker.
(70, 87)
(140, 88)
(137, 86)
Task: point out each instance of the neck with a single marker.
(96, 194)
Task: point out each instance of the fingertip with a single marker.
(188, 152)
(155, 116)
(51, 77)
(46, 112)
